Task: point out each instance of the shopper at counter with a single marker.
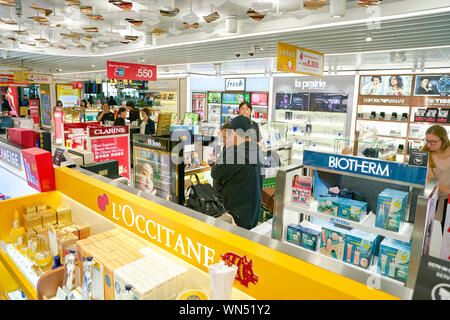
(133, 112)
(24, 101)
(111, 101)
(147, 124)
(106, 114)
(237, 175)
(438, 145)
(5, 104)
(245, 109)
(121, 115)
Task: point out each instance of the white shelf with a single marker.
(314, 123)
(368, 224)
(315, 137)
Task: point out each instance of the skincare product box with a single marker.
(293, 234)
(332, 241)
(360, 247)
(352, 209)
(310, 235)
(328, 205)
(391, 209)
(393, 259)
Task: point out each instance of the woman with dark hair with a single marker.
(106, 114)
(245, 109)
(121, 115)
(147, 124)
(83, 104)
(133, 112)
(395, 86)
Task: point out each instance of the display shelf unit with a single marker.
(422, 193)
(367, 224)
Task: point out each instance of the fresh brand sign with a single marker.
(235, 84)
(365, 166)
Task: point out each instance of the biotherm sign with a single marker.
(365, 166)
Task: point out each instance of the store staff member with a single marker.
(237, 173)
(105, 115)
(5, 104)
(121, 115)
(147, 124)
(133, 112)
(245, 109)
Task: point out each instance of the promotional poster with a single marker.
(394, 85)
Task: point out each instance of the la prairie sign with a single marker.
(310, 84)
(237, 84)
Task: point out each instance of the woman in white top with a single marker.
(438, 145)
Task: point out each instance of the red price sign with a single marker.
(130, 71)
(77, 85)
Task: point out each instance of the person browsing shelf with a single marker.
(121, 115)
(438, 146)
(147, 124)
(105, 114)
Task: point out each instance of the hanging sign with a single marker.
(77, 85)
(34, 110)
(130, 71)
(294, 59)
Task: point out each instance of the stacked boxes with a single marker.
(328, 205)
(305, 235)
(113, 249)
(391, 209)
(360, 247)
(393, 260)
(153, 277)
(352, 209)
(332, 241)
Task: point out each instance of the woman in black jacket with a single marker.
(105, 115)
(133, 112)
(147, 124)
(120, 119)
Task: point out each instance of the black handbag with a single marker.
(203, 198)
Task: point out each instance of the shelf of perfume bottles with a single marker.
(367, 224)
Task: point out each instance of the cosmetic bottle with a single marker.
(128, 293)
(356, 257)
(328, 244)
(324, 240)
(17, 232)
(392, 268)
(86, 288)
(70, 281)
(349, 252)
(383, 263)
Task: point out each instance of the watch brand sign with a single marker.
(11, 156)
(368, 167)
(316, 84)
(235, 84)
(130, 71)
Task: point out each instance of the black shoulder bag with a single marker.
(203, 198)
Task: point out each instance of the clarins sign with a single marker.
(107, 131)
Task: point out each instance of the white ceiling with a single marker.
(404, 26)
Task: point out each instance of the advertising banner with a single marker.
(111, 143)
(34, 111)
(365, 166)
(391, 89)
(25, 77)
(432, 90)
(299, 60)
(130, 71)
(59, 122)
(69, 96)
(46, 111)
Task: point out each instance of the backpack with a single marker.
(203, 198)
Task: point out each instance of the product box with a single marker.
(352, 209)
(328, 205)
(310, 235)
(39, 169)
(391, 209)
(293, 234)
(393, 260)
(22, 137)
(360, 247)
(332, 241)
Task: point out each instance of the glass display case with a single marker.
(381, 149)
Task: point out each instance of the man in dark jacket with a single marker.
(238, 175)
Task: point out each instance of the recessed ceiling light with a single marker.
(93, 65)
(368, 38)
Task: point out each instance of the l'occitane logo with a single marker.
(125, 216)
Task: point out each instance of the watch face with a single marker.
(443, 85)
